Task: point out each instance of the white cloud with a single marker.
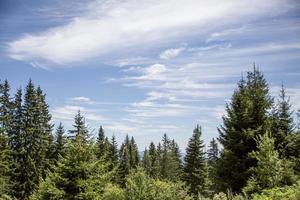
(84, 100)
(114, 26)
(68, 112)
(171, 53)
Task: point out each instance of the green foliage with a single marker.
(271, 171)
(170, 160)
(282, 122)
(129, 158)
(102, 145)
(140, 186)
(60, 142)
(32, 140)
(212, 158)
(292, 150)
(113, 192)
(5, 130)
(247, 116)
(279, 193)
(78, 175)
(194, 168)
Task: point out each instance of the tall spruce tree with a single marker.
(5, 109)
(5, 151)
(78, 175)
(174, 165)
(113, 153)
(47, 146)
(212, 158)
(165, 156)
(80, 131)
(154, 171)
(17, 141)
(146, 163)
(60, 142)
(134, 154)
(33, 143)
(247, 116)
(125, 164)
(282, 122)
(103, 144)
(271, 171)
(194, 168)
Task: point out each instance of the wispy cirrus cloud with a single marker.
(171, 53)
(68, 112)
(84, 100)
(115, 26)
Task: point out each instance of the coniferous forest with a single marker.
(256, 155)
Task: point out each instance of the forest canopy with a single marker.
(255, 156)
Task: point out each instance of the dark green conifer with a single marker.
(247, 117)
(194, 168)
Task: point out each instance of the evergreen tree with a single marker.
(212, 158)
(146, 163)
(34, 142)
(125, 164)
(47, 146)
(282, 122)
(17, 141)
(103, 144)
(164, 158)
(213, 151)
(80, 131)
(174, 162)
(5, 109)
(159, 155)
(113, 154)
(60, 142)
(154, 159)
(78, 175)
(194, 168)
(5, 129)
(271, 171)
(247, 116)
(134, 154)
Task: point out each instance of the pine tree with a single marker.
(113, 154)
(134, 154)
(247, 116)
(80, 131)
(103, 144)
(164, 158)
(125, 164)
(213, 151)
(60, 142)
(271, 171)
(5, 129)
(17, 141)
(146, 163)
(78, 175)
(282, 122)
(154, 161)
(159, 154)
(174, 162)
(5, 109)
(47, 146)
(194, 168)
(30, 157)
(212, 158)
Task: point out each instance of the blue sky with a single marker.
(148, 67)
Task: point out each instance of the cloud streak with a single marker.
(115, 26)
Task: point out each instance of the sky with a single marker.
(150, 67)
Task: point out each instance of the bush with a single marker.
(279, 193)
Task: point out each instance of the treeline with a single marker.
(259, 158)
